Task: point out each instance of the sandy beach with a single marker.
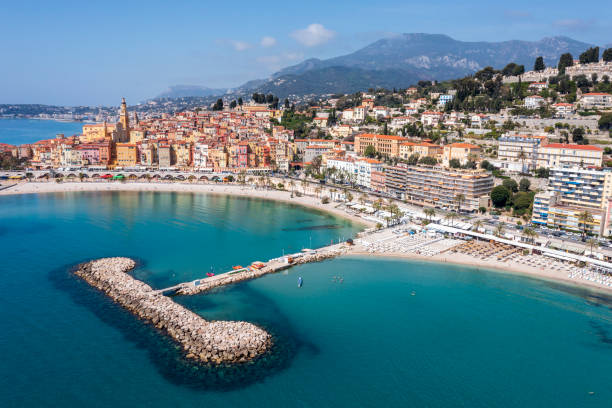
(310, 201)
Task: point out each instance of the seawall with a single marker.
(219, 342)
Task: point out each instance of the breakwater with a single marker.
(219, 342)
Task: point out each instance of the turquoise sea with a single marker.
(22, 131)
(391, 334)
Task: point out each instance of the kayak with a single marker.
(300, 281)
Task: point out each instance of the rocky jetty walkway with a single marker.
(219, 342)
(272, 266)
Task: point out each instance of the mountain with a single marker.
(181, 91)
(403, 60)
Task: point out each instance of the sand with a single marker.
(311, 201)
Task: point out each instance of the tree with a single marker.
(240, 101)
(500, 196)
(566, 60)
(529, 233)
(413, 159)
(233, 104)
(459, 199)
(593, 243)
(477, 225)
(218, 105)
(451, 216)
(590, 55)
(454, 163)
(584, 219)
(605, 121)
(607, 55)
(428, 160)
(542, 172)
(511, 185)
(287, 106)
(370, 151)
(539, 64)
(524, 184)
(429, 213)
(578, 135)
(500, 229)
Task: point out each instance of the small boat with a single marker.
(209, 274)
(237, 267)
(300, 281)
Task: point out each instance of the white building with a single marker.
(200, 156)
(596, 100)
(534, 101)
(365, 167)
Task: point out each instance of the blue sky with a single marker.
(74, 52)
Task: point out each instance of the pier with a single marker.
(256, 270)
(218, 342)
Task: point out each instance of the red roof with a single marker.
(573, 146)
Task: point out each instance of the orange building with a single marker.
(385, 144)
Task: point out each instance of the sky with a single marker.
(93, 53)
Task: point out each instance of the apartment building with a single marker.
(571, 192)
(385, 144)
(521, 150)
(596, 100)
(561, 154)
(439, 187)
(460, 151)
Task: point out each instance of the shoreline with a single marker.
(305, 201)
(214, 189)
(497, 267)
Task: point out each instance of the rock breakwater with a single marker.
(219, 342)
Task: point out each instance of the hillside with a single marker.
(404, 59)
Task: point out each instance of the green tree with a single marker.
(607, 55)
(500, 196)
(529, 233)
(511, 185)
(524, 184)
(428, 160)
(413, 159)
(590, 55)
(240, 101)
(539, 64)
(218, 105)
(233, 104)
(566, 60)
(370, 151)
(542, 172)
(454, 163)
(578, 135)
(585, 219)
(459, 199)
(605, 121)
(500, 229)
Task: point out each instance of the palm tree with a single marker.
(378, 204)
(318, 190)
(478, 224)
(500, 229)
(429, 213)
(585, 218)
(348, 196)
(460, 199)
(592, 243)
(529, 233)
(292, 185)
(522, 156)
(451, 217)
(304, 185)
(362, 199)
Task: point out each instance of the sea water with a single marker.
(359, 332)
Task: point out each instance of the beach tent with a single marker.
(107, 176)
(118, 177)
